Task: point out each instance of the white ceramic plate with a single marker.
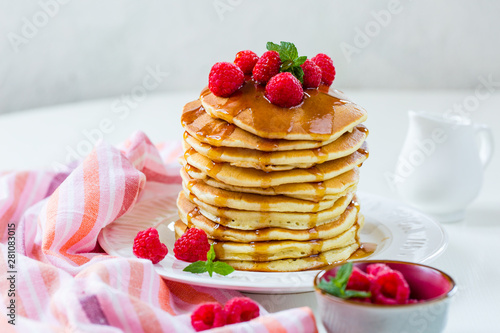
(400, 232)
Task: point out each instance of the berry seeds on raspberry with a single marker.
(246, 61)
(284, 90)
(326, 64)
(241, 309)
(225, 78)
(266, 67)
(389, 288)
(312, 74)
(147, 245)
(192, 246)
(207, 316)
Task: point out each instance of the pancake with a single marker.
(246, 201)
(252, 220)
(305, 262)
(231, 175)
(191, 216)
(275, 250)
(217, 132)
(345, 145)
(256, 165)
(323, 115)
(297, 264)
(329, 189)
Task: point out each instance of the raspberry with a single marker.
(207, 316)
(284, 90)
(192, 246)
(377, 269)
(358, 280)
(390, 287)
(312, 74)
(246, 61)
(327, 69)
(147, 245)
(266, 67)
(225, 78)
(240, 309)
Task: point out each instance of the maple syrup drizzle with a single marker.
(314, 170)
(189, 152)
(315, 116)
(320, 154)
(264, 160)
(216, 132)
(267, 145)
(319, 189)
(364, 149)
(213, 131)
(190, 168)
(191, 112)
(364, 250)
(362, 128)
(214, 168)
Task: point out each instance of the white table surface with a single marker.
(37, 138)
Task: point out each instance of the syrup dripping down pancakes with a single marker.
(273, 188)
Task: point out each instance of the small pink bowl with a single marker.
(431, 286)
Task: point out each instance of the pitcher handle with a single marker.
(486, 143)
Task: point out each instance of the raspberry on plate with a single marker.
(240, 309)
(207, 316)
(327, 69)
(312, 74)
(284, 90)
(225, 78)
(390, 287)
(246, 61)
(266, 67)
(147, 245)
(192, 246)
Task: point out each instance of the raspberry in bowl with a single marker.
(383, 296)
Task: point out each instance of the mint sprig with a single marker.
(337, 285)
(209, 265)
(290, 60)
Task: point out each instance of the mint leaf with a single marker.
(337, 285)
(299, 61)
(211, 253)
(210, 258)
(329, 287)
(343, 274)
(273, 47)
(222, 268)
(196, 267)
(286, 66)
(356, 293)
(290, 60)
(289, 50)
(210, 265)
(298, 72)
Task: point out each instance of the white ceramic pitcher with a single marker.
(440, 168)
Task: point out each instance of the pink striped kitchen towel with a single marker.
(54, 277)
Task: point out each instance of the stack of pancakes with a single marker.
(273, 188)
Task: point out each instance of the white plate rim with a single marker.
(289, 282)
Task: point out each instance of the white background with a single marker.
(92, 49)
